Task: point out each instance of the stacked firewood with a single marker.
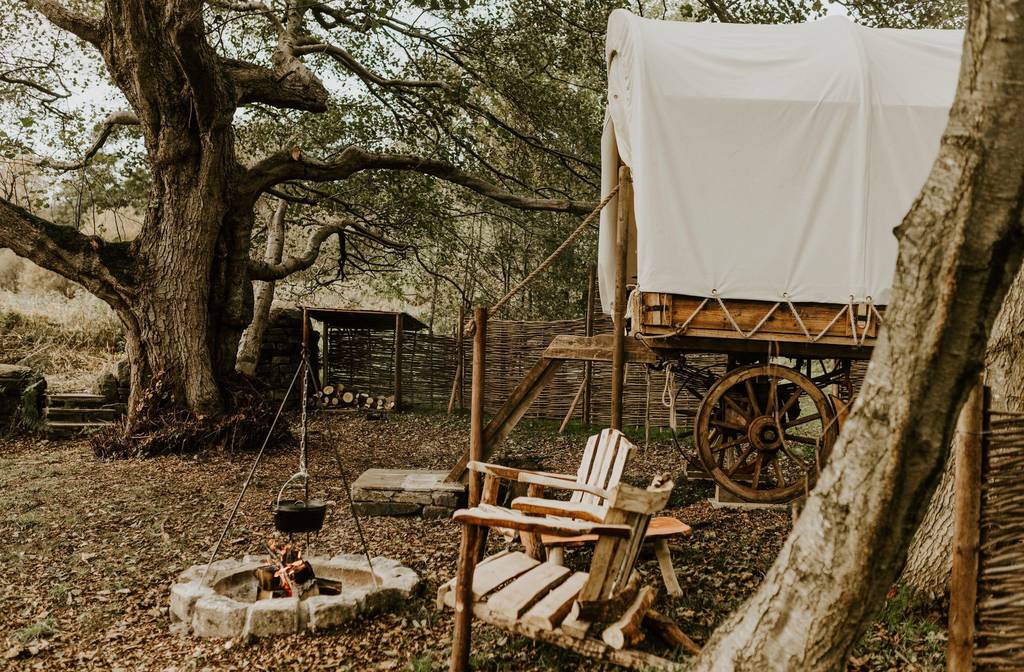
(288, 575)
(337, 396)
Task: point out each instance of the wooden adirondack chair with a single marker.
(603, 462)
(596, 613)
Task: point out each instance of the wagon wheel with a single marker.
(763, 432)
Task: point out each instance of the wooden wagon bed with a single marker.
(710, 324)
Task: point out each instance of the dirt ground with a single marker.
(89, 549)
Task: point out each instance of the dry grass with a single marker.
(70, 335)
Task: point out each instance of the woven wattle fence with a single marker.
(363, 360)
(999, 638)
(514, 346)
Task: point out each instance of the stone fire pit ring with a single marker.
(225, 604)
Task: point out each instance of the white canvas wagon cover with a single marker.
(770, 162)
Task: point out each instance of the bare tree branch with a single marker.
(292, 87)
(719, 9)
(112, 121)
(88, 29)
(88, 260)
(293, 165)
(364, 73)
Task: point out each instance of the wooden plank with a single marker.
(748, 313)
(488, 575)
(558, 481)
(512, 601)
(602, 464)
(585, 464)
(492, 516)
(555, 507)
(553, 608)
(596, 349)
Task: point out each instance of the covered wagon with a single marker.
(758, 173)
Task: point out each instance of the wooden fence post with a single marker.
(399, 340)
(625, 204)
(963, 587)
(476, 417)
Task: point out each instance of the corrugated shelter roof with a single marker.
(351, 318)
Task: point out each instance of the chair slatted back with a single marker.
(615, 557)
(604, 460)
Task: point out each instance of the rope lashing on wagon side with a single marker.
(848, 309)
(471, 325)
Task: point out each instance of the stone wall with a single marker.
(282, 352)
(22, 398)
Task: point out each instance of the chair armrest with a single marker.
(548, 480)
(487, 515)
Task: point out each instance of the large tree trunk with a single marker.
(252, 338)
(960, 248)
(929, 559)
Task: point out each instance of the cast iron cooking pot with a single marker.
(294, 516)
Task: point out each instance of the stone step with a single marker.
(76, 400)
(61, 430)
(75, 414)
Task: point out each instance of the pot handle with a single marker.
(299, 474)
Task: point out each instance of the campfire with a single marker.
(289, 575)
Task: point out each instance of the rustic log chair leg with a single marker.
(556, 555)
(488, 495)
(461, 638)
(668, 572)
(531, 540)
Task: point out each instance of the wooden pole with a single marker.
(588, 367)
(476, 408)
(625, 204)
(460, 346)
(462, 636)
(399, 339)
(963, 586)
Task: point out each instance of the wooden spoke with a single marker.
(730, 444)
(728, 425)
(757, 470)
(789, 402)
(778, 473)
(729, 401)
(806, 440)
(739, 461)
(773, 397)
(786, 449)
(753, 397)
(801, 421)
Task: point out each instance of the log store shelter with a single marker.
(376, 336)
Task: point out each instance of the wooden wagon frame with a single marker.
(764, 430)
